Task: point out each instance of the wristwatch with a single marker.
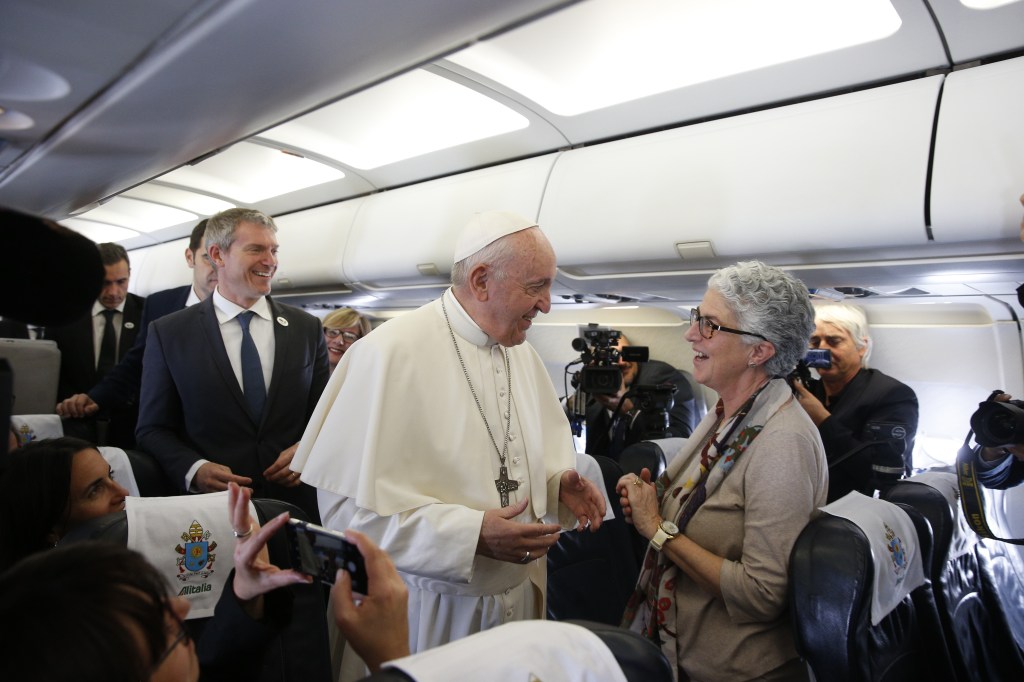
(666, 531)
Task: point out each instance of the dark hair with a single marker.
(76, 613)
(197, 235)
(111, 253)
(36, 483)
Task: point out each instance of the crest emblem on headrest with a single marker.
(897, 552)
(195, 559)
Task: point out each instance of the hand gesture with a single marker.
(583, 498)
(639, 500)
(507, 540)
(214, 478)
(279, 473)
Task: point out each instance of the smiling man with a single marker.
(440, 437)
(228, 384)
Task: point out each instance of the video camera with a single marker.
(817, 358)
(997, 423)
(600, 356)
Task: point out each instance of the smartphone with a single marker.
(321, 552)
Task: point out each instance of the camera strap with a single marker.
(971, 497)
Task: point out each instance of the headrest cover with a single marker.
(189, 539)
(484, 228)
(895, 549)
(525, 650)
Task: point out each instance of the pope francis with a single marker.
(440, 436)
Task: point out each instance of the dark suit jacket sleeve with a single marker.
(880, 399)
(682, 415)
(161, 421)
(121, 384)
(321, 373)
(1009, 477)
(232, 645)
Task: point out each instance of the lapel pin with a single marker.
(129, 325)
(281, 321)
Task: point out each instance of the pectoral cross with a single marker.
(505, 485)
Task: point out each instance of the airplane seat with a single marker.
(639, 659)
(36, 367)
(977, 585)
(700, 403)
(860, 615)
(301, 651)
(647, 454)
(591, 575)
(150, 477)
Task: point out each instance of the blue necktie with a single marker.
(252, 371)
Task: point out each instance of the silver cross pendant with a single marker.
(505, 485)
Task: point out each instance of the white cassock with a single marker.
(399, 451)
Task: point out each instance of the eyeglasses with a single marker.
(708, 328)
(182, 636)
(347, 337)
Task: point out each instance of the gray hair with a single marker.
(498, 254)
(768, 301)
(220, 228)
(853, 320)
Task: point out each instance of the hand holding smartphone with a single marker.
(320, 552)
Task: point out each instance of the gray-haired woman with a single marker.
(723, 518)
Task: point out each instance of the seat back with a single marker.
(301, 651)
(592, 575)
(36, 367)
(832, 584)
(978, 586)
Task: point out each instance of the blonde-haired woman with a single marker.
(342, 328)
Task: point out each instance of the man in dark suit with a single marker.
(867, 419)
(91, 345)
(614, 421)
(120, 387)
(229, 384)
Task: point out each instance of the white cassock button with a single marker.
(508, 614)
(511, 437)
(515, 460)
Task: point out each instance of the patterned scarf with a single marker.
(694, 474)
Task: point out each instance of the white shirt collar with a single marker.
(227, 310)
(193, 297)
(98, 307)
(463, 324)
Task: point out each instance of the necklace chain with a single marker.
(503, 453)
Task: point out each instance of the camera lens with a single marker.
(998, 423)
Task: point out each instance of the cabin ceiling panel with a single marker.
(399, 230)
(843, 172)
(248, 65)
(979, 154)
(547, 48)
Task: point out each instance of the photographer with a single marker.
(614, 421)
(865, 417)
(1000, 467)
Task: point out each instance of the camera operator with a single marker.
(614, 420)
(1000, 466)
(866, 418)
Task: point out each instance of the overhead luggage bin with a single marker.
(406, 237)
(821, 176)
(979, 154)
(312, 245)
